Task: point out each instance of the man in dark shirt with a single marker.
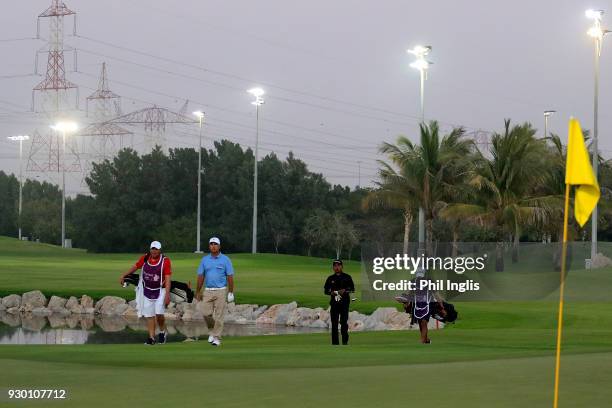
(339, 286)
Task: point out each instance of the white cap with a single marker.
(215, 240)
(420, 273)
(155, 244)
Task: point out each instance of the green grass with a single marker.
(499, 354)
(260, 278)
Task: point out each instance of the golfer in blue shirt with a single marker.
(216, 274)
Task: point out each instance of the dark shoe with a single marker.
(161, 337)
(150, 341)
(345, 344)
(428, 341)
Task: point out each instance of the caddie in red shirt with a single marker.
(153, 291)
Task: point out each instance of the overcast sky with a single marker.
(336, 74)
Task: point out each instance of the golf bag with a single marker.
(434, 308)
(179, 291)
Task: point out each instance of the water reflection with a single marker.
(87, 329)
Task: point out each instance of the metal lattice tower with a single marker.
(154, 120)
(105, 139)
(45, 149)
(482, 139)
(55, 88)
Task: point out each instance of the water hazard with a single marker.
(87, 329)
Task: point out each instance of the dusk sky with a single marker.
(336, 74)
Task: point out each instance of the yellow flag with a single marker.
(579, 172)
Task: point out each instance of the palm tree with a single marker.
(504, 187)
(430, 171)
(393, 193)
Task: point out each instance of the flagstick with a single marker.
(561, 290)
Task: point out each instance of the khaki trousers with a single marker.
(215, 302)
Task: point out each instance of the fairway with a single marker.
(499, 354)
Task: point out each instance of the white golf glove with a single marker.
(337, 296)
(230, 297)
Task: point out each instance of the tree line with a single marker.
(508, 191)
(137, 198)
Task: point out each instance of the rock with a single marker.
(399, 321)
(56, 303)
(130, 312)
(319, 324)
(41, 311)
(89, 310)
(277, 314)
(13, 320)
(257, 312)
(11, 301)
(86, 302)
(32, 300)
(301, 317)
(111, 306)
(193, 311)
(12, 310)
(600, 261)
(72, 303)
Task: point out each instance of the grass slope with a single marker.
(497, 355)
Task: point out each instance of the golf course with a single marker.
(498, 354)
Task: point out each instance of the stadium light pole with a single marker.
(200, 116)
(258, 94)
(597, 33)
(20, 139)
(422, 65)
(63, 128)
(547, 114)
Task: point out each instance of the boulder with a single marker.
(111, 306)
(130, 312)
(87, 302)
(192, 311)
(11, 319)
(320, 324)
(277, 314)
(600, 261)
(72, 303)
(11, 301)
(301, 317)
(56, 304)
(32, 300)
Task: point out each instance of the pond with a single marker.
(88, 329)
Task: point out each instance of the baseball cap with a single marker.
(337, 261)
(214, 240)
(155, 244)
(420, 273)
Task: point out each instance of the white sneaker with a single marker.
(211, 339)
(216, 341)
